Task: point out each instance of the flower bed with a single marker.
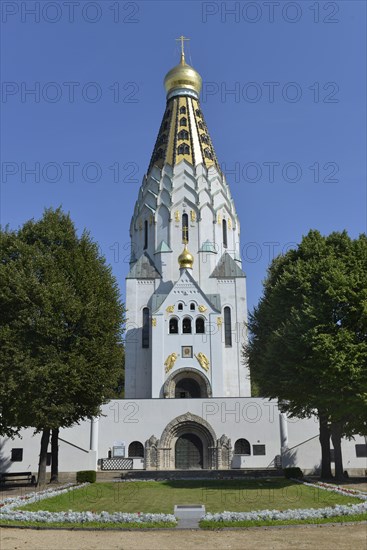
(336, 489)
(15, 502)
(299, 514)
(296, 514)
(9, 512)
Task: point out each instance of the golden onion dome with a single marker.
(182, 76)
(186, 259)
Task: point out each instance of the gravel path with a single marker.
(323, 537)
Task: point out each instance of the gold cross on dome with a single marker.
(185, 231)
(182, 40)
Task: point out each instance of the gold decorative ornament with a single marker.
(186, 259)
(219, 218)
(219, 321)
(229, 223)
(140, 225)
(170, 361)
(185, 232)
(183, 75)
(193, 215)
(154, 322)
(203, 360)
(170, 309)
(151, 219)
(202, 309)
(177, 216)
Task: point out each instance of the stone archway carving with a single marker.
(151, 453)
(160, 454)
(184, 424)
(188, 372)
(224, 453)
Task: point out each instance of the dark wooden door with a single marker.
(189, 452)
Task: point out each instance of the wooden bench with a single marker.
(17, 476)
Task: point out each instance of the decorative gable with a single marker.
(144, 268)
(227, 268)
(186, 288)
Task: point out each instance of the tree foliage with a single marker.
(308, 344)
(61, 326)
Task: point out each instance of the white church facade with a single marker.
(188, 401)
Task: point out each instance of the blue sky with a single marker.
(291, 135)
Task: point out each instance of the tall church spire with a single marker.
(184, 197)
(183, 134)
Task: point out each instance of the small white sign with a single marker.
(119, 443)
(118, 451)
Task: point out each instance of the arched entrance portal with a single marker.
(187, 388)
(187, 383)
(188, 442)
(189, 452)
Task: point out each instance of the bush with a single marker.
(86, 476)
(295, 473)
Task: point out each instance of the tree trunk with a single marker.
(325, 447)
(41, 480)
(55, 456)
(336, 437)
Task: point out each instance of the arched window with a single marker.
(200, 326)
(173, 325)
(182, 110)
(183, 149)
(186, 325)
(192, 306)
(224, 228)
(204, 138)
(242, 447)
(145, 235)
(198, 112)
(227, 327)
(180, 306)
(183, 121)
(201, 125)
(185, 228)
(145, 331)
(136, 450)
(208, 153)
(183, 134)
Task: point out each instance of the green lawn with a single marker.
(217, 496)
(89, 525)
(274, 523)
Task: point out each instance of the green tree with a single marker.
(308, 344)
(61, 327)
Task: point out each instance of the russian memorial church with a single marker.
(186, 288)
(188, 403)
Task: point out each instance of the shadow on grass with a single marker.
(223, 484)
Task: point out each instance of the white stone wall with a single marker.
(256, 420)
(74, 450)
(304, 447)
(236, 373)
(137, 359)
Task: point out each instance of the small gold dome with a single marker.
(182, 76)
(186, 259)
